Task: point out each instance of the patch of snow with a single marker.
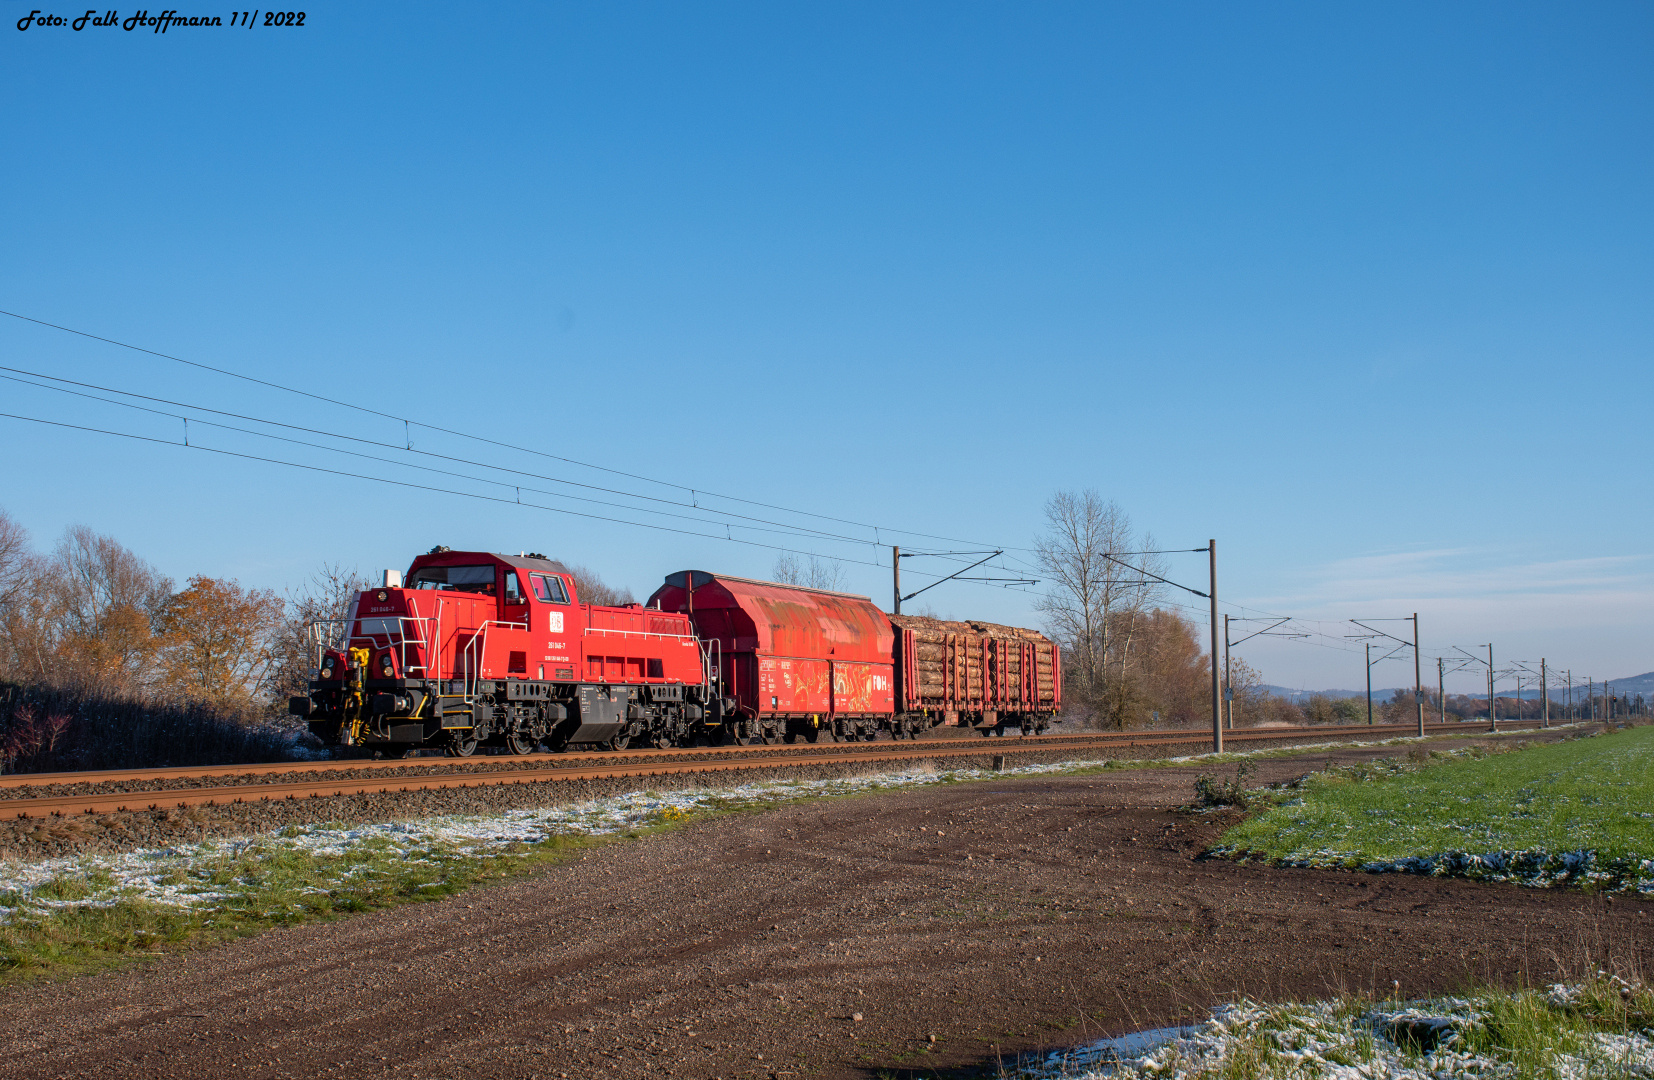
(1420, 1040)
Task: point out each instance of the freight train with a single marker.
(473, 649)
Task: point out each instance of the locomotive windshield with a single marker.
(475, 579)
(549, 589)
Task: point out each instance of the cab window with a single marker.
(513, 591)
(475, 579)
(549, 589)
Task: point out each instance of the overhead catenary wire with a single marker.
(409, 423)
(426, 487)
(758, 524)
(778, 526)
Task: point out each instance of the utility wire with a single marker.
(408, 422)
(427, 487)
(779, 526)
(401, 464)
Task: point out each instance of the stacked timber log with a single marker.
(961, 664)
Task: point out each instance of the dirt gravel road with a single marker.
(826, 939)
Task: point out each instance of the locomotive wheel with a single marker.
(519, 745)
(462, 745)
(620, 742)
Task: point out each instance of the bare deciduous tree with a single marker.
(827, 574)
(315, 617)
(590, 588)
(14, 558)
(85, 616)
(1100, 590)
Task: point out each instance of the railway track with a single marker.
(48, 798)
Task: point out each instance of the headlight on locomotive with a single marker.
(327, 668)
(386, 668)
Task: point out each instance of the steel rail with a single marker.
(102, 776)
(766, 757)
(566, 760)
(494, 763)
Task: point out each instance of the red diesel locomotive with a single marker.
(471, 649)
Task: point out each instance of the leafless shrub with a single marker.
(55, 729)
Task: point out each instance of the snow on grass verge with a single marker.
(69, 913)
(1596, 1029)
(83, 910)
(1572, 813)
(209, 874)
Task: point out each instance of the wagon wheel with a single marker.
(770, 737)
(462, 745)
(519, 745)
(816, 734)
(793, 736)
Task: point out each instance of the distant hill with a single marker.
(1636, 684)
(1299, 695)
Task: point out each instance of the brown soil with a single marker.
(1002, 916)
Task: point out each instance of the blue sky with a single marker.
(1363, 292)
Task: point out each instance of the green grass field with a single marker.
(1592, 795)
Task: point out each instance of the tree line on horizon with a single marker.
(106, 662)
